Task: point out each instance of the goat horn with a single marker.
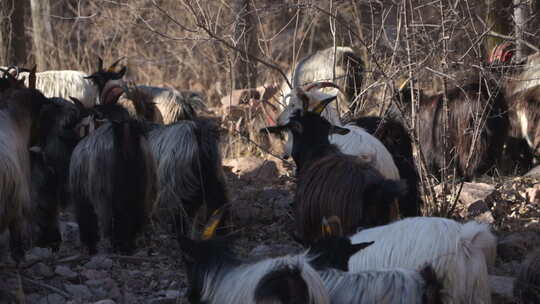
(210, 228)
(321, 84)
(322, 105)
(112, 68)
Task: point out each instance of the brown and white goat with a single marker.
(477, 127)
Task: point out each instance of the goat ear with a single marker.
(322, 105)
(32, 78)
(339, 130)
(357, 247)
(210, 228)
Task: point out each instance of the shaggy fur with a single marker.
(331, 183)
(189, 169)
(18, 116)
(460, 253)
(66, 84)
(112, 182)
(395, 286)
(527, 285)
(172, 105)
(357, 142)
(340, 65)
(524, 115)
(469, 107)
(398, 142)
(215, 275)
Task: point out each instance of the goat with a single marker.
(356, 142)
(477, 127)
(332, 183)
(18, 123)
(59, 131)
(460, 253)
(163, 105)
(103, 86)
(398, 142)
(112, 183)
(188, 162)
(527, 284)
(337, 64)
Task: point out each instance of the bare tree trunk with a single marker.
(12, 36)
(499, 20)
(42, 32)
(245, 69)
(521, 11)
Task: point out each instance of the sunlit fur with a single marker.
(392, 286)
(66, 84)
(189, 168)
(459, 253)
(217, 276)
(357, 142)
(173, 105)
(18, 116)
(340, 65)
(112, 182)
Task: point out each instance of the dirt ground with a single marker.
(262, 221)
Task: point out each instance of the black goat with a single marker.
(398, 142)
(112, 180)
(332, 183)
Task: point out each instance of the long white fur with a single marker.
(14, 171)
(459, 253)
(358, 142)
(66, 84)
(394, 286)
(239, 284)
(170, 102)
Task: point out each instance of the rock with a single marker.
(65, 272)
(79, 291)
(240, 96)
(253, 168)
(52, 299)
(476, 199)
(99, 262)
(533, 194)
(70, 232)
(92, 274)
(108, 301)
(534, 173)
(502, 286)
(486, 218)
(38, 253)
(42, 270)
(104, 288)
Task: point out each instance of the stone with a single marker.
(65, 272)
(107, 301)
(52, 299)
(99, 262)
(534, 172)
(79, 291)
(38, 253)
(42, 270)
(92, 274)
(533, 194)
(70, 233)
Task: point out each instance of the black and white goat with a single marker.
(19, 113)
(189, 170)
(332, 183)
(112, 183)
(461, 254)
(162, 105)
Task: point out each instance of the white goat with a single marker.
(459, 253)
(358, 142)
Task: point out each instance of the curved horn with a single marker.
(321, 84)
(113, 66)
(210, 228)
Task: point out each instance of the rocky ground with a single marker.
(261, 193)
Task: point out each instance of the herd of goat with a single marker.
(122, 154)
